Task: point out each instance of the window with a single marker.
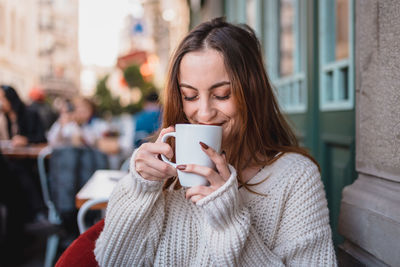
(255, 17)
(281, 27)
(285, 56)
(336, 56)
(286, 38)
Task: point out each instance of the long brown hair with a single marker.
(263, 131)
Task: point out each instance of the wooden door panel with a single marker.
(337, 171)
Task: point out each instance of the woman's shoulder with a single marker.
(287, 170)
(294, 168)
(289, 162)
(295, 161)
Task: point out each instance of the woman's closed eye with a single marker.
(218, 97)
(225, 97)
(189, 98)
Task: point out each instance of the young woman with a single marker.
(265, 205)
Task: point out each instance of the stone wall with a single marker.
(370, 209)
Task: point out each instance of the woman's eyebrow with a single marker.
(218, 84)
(187, 86)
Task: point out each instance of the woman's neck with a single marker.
(251, 169)
(250, 172)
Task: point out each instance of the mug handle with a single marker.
(164, 139)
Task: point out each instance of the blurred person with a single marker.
(23, 124)
(147, 121)
(77, 125)
(45, 111)
(74, 137)
(92, 127)
(65, 127)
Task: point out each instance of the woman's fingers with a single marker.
(151, 174)
(216, 178)
(169, 129)
(219, 160)
(212, 176)
(158, 148)
(149, 166)
(196, 198)
(197, 193)
(153, 170)
(149, 161)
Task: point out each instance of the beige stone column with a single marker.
(370, 209)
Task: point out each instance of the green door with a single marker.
(323, 35)
(327, 127)
(336, 146)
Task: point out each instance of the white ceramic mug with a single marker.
(188, 149)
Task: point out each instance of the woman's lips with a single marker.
(215, 124)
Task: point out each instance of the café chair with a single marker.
(83, 211)
(80, 252)
(125, 165)
(53, 216)
(90, 203)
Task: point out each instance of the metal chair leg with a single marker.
(51, 250)
(83, 210)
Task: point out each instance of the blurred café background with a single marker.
(92, 71)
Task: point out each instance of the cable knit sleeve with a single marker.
(133, 222)
(231, 239)
(303, 237)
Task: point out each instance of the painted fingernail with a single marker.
(181, 167)
(203, 145)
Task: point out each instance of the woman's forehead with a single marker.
(203, 64)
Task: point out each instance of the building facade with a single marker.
(39, 45)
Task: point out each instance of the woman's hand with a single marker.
(216, 178)
(147, 162)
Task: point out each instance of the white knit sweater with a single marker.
(146, 226)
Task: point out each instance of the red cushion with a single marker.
(80, 252)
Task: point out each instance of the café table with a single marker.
(28, 151)
(99, 185)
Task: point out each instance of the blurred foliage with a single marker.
(133, 77)
(109, 105)
(105, 102)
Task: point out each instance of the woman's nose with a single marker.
(205, 112)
